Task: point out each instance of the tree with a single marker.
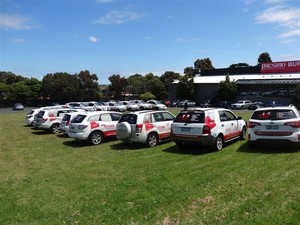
(136, 84)
(88, 86)
(185, 88)
(147, 96)
(118, 85)
(61, 87)
(264, 58)
(155, 86)
(203, 64)
(237, 65)
(167, 79)
(227, 89)
(190, 71)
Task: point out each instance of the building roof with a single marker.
(250, 77)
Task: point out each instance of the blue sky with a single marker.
(123, 37)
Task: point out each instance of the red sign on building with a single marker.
(281, 67)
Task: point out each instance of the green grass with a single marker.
(51, 179)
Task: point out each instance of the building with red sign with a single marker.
(268, 81)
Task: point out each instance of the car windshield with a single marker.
(129, 118)
(273, 115)
(190, 117)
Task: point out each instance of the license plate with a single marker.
(272, 127)
(185, 129)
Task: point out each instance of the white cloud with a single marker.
(290, 33)
(93, 39)
(12, 21)
(118, 17)
(186, 39)
(18, 40)
(288, 17)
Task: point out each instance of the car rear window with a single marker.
(190, 117)
(40, 114)
(273, 115)
(129, 118)
(78, 119)
(66, 117)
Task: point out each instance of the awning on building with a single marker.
(268, 81)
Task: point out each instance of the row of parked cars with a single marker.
(211, 127)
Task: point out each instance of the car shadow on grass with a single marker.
(191, 149)
(268, 148)
(77, 143)
(128, 146)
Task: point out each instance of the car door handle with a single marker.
(222, 125)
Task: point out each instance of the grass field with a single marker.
(51, 179)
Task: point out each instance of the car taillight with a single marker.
(294, 124)
(82, 127)
(206, 129)
(252, 124)
(139, 128)
(67, 123)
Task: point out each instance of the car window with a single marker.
(115, 116)
(148, 118)
(66, 117)
(78, 119)
(158, 117)
(94, 118)
(168, 116)
(273, 115)
(190, 117)
(230, 116)
(129, 118)
(105, 117)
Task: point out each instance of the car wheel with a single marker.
(152, 140)
(243, 134)
(124, 130)
(96, 138)
(218, 144)
(55, 128)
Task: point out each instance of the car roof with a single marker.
(276, 107)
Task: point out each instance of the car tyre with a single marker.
(243, 134)
(152, 140)
(218, 144)
(96, 138)
(55, 128)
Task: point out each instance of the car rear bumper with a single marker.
(79, 136)
(204, 140)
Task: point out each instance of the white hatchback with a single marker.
(208, 126)
(94, 126)
(147, 126)
(277, 125)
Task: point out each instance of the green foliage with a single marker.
(264, 58)
(118, 86)
(147, 96)
(88, 86)
(185, 88)
(237, 65)
(203, 64)
(227, 89)
(190, 72)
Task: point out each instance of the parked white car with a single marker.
(98, 106)
(274, 125)
(207, 126)
(241, 104)
(157, 105)
(65, 121)
(142, 104)
(116, 106)
(147, 126)
(29, 118)
(50, 119)
(94, 126)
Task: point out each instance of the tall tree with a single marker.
(61, 87)
(88, 86)
(203, 64)
(155, 86)
(264, 58)
(227, 89)
(190, 71)
(117, 86)
(136, 84)
(185, 88)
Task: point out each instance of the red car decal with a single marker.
(209, 122)
(94, 124)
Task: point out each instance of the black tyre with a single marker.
(219, 142)
(152, 140)
(96, 138)
(243, 134)
(55, 128)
